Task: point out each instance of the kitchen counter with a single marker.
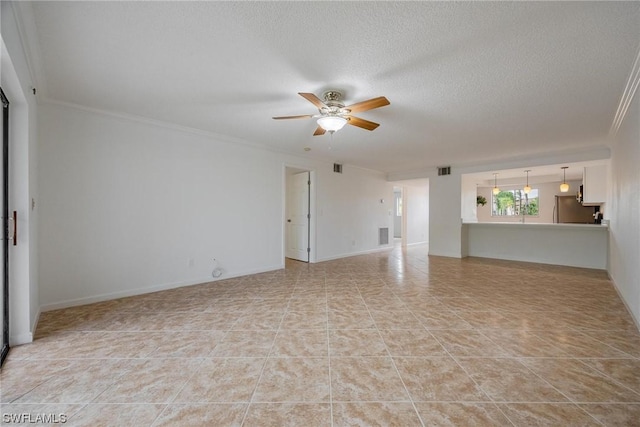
(539, 224)
(576, 245)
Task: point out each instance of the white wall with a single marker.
(547, 193)
(624, 210)
(17, 85)
(126, 206)
(129, 207)
(417, 212)
(468, 194)
(349, 211)
(444, 216)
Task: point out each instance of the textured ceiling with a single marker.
(468, 82)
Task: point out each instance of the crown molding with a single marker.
(162, 124)
(27, 32)
(627, 96)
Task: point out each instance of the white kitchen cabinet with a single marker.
(594, 185)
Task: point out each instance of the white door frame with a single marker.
(23, 284)
(405, 201)
(312, 209)
(5, 322)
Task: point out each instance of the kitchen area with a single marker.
(556, 216)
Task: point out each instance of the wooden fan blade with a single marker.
(362, 123)
(305, 116)
(370, 104)
(319, 131)
(313, 99)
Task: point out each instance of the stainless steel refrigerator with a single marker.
(569, 211)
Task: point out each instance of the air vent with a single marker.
(337, 168)
(444, 170)
(383, 236)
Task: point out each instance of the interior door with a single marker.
(298, 217)
(4, 247)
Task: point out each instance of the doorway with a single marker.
(411, 212)
(4, 247)
(397, 212)
(298, 218)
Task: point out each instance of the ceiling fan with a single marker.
(333, 114)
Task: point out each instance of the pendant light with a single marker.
(564, 187)
(527, 189)
(496, 190)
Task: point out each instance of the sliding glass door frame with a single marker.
(4, 349)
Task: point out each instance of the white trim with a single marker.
(448, 254)
(25, 24)
(150, 289)
(199, 132)
(312, 209)
(627, 96)
(20, 339)
(424, 242)
(34, 325)
(347, 255)
(164, 125)
(615, 286)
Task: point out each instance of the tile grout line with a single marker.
(491, 399)
(621, 384)
(573, 402)
(395, 367)
(172, 400)
(266, 360)
(326, 295)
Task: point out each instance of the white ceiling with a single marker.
(468, 82)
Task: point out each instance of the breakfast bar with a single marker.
(575, 245)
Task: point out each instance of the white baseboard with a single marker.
(626, 305)
(426, 242)
(447, 254)
(34, 324)
(347, 255)
(20, 339)
(149, 289)
(27, 337)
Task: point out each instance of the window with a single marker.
(515, 203)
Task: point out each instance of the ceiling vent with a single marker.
(337, 168)
(444, 170)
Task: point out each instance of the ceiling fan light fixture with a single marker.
(332, 123)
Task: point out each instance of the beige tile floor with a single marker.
(393, 338)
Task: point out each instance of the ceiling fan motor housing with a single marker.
(332, 100)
